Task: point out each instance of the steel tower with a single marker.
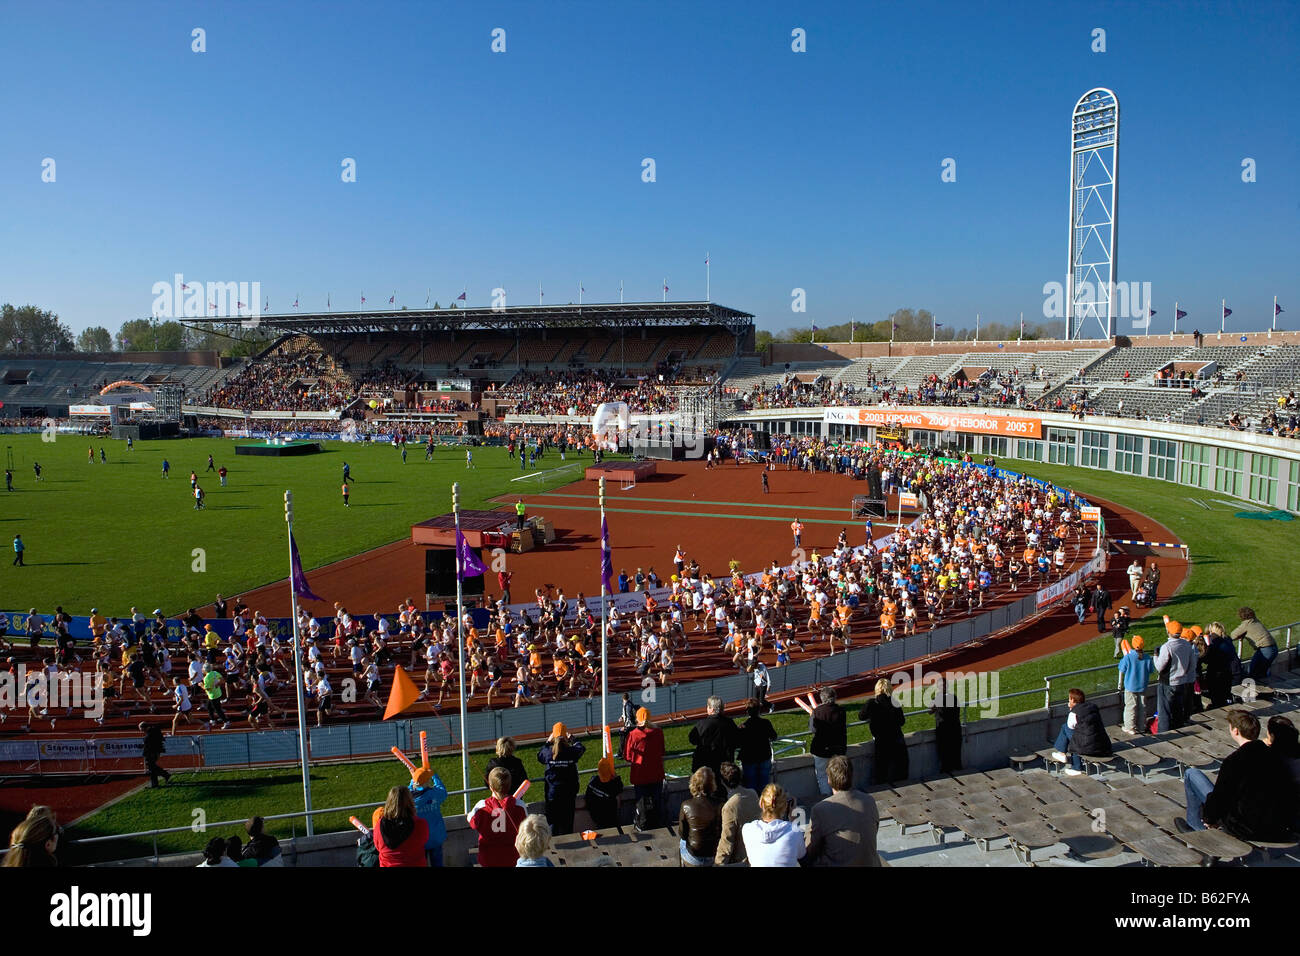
(1094, 227)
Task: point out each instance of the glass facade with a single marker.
(1060, 445)
(1096, 449)
(1196, 465)
(1162, 459)
(1128, 454)
(1228, 465)
(1263, 479)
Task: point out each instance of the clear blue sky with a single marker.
(818, 170)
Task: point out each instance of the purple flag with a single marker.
(1277, 309)
(1226, 312)
(606, 555)
(468, 563)
(296, 577)
(1182, 314)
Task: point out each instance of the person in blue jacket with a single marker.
(560, 755)
(428, 807)
(1135, 671)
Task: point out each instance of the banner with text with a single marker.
(940, 420)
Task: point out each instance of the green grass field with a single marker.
(1235, 561)
(117, 535)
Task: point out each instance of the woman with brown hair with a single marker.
(1254, 631)
(399, 833)
(700, 821)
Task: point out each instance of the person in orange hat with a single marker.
(560, 755)
(644, 750)
(602, 793)
(1135, 672)
(1176, 664)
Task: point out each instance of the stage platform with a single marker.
(482, 529)
(624, 471)
(286, 450)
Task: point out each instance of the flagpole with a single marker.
(1273, 328)
(604, 666)
(620, 291)
(665, 288)
(297, 671)
(579, 292)
(1175, 331)
(460, 647)
(1022, 328)
(977, 326)
(1223, 315)
(707, 295)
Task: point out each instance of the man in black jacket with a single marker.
(1254, 798)
(830, 736)
(715, 738)
(153, 749)
(1082, 735)
(1100, 605)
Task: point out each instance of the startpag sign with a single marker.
(940, 420)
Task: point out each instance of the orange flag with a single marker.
(403, 695)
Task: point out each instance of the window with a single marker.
(1060, 446)
(1196, 465)
(1263, 478)
(996, 446)
(1161, 459)
(1293, 487)
(1128, 454)
(925, 438)
(1096, 449)
(1029, 450)
(1228, 471)
(967, 442)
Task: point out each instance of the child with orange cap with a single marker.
(602, 793)
(1135, 671)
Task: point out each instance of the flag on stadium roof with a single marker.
(1182, 314)
(1277, 309)
(295, 302)
(461, 297)
(1226, 312)
(297, 579)
(468, 564)
(938, 325)
(363, 298)
(1150, 313)
(391, 298)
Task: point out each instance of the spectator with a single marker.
(261, 846)
(33, 842)
(601, 798)
(1222, 666)
(496, 820)
(400, 834)
(214, 855)
(772, 840)
(1176, 665)
(830, 736)
(740, 808)
(1283, 739)
(560, 755)
(1253, 630)
(644, 750)
(947, 727)
(843, 827)
(700, 821)
(533, 841)
(1253, 798)
(754, 739)
(506, 758)
(1100, 603)
(886, 718)
(714, 738)
(1082, 735)
(428, 806)
(1135, 671)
